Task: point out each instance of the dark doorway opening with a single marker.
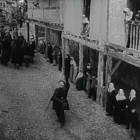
(87, 8)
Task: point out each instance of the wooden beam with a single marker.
(115, 68)
(100, 90)
(108, 72)
(28, 32)
(47, 40)
(81, 57)
(63, 52)
(46, 24)
(36, 36)
(126, 58)
(85, 42)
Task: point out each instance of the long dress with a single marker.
(134, 115)
(119, 111)
(110, 102)
(60, 61)
(71, 71)
(75, 72)
(67, 67)
(79, 81)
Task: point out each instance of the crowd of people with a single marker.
(122, 109)
(15, 49)
(83, 79)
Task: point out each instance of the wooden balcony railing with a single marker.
(133, 36)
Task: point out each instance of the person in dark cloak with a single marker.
(110, 104)
(79, 80)
(132, 116)
(93, 88)
(5, 50)
(31, 52)
(87, 69)
(20, 39)
(3, 33)
(119, 109)
(16, 54)
(67, 66)
(26, 50)
(1, 46)
(58, 96)
(49, 53)
(60, 61)
(33, 42)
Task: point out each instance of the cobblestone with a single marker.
(25, 93)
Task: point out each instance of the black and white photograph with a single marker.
(69, 69)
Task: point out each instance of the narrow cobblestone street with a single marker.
(24, 95)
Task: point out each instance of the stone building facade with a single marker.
(93, 31)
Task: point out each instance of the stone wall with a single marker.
(45, 11)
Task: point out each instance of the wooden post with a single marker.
(46, 42)
(100, 89)
(36, 36)
(63, 52)
(67, 50)
(28, 33)
(81, 57)
(108, 73)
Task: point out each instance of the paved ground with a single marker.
(24, 95)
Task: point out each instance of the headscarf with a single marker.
(120, 95)
(111, 87)
(128, 14)
(132, 94)
(71, 60)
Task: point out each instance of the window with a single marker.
(86, 11)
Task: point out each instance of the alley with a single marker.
(24, 95)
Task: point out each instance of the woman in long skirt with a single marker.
(79, 81)
(119, 109)
(110, 99)
(133, 113)
(71, 69)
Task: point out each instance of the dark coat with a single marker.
(57, 97)
(59, 61)
(79, 83)
(67, 67)
(111, 100)
(119, 111)
(16, 53)
(49, 53)
(134, 115)
(5, 50)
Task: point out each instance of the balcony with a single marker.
(133, 36)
